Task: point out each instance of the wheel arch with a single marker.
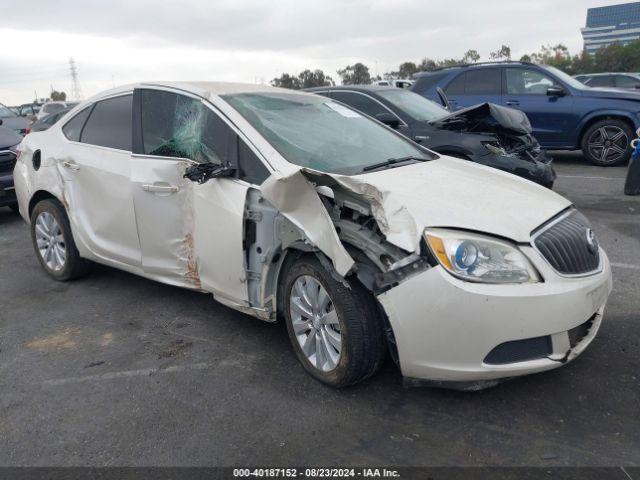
(40, 195)
(598, 116)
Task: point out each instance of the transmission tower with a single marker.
(76, 91)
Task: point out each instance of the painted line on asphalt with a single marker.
(144, 372)
(595, 178)
(629, 266)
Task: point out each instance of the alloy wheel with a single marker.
(315, 323)
(608, 144)
(50, 241)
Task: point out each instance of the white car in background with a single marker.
(288, 205)
(394, 83)
(53, 107)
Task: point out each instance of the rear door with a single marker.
(627, 81)
(95, 169)
(552, 117)
(474, 86)
(606, 81)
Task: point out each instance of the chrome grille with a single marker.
(7, 160)
(566, 245)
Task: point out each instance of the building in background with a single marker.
(611, 24)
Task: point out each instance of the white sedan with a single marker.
(286, 205)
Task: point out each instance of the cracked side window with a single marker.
(178, 126)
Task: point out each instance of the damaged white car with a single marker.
(288, 205)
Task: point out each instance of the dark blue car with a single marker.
(564, 113)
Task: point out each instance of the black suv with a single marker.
(487, 134)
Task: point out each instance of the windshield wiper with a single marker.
(392, 161)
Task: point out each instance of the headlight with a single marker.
(479, 258)
(495, 148)
(15, 149)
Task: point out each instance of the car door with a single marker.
(552, 116)
(95, 167)
(475, 86)
(627, 81)
(190, 234)
(606, 81)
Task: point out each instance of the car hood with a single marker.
(8, 138)
(15, 123)
(485, 117)
(455, 193)
(613, 93)
(446, 192)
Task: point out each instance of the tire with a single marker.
(354, 317)
(51, 232)
(607, 143)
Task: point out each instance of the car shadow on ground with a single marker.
(9, 216)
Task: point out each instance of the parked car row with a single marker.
(610, 80)
(565, 114)
(294, 206)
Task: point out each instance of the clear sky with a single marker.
(122, 41)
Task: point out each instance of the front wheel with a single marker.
(336, 331)
(607, 142)
(53, 242)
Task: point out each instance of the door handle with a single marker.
(512, 103)
(160, 188)
(71, 165)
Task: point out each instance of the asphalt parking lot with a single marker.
(114, 369)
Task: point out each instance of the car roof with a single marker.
(456, 68)
(357, 88)
(200, 88)
(600, 74)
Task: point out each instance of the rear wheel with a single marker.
(336, 331)
(607, 142)
(53, 242)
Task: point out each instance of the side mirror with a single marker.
(202, 172)
(444, 99)
(556, 91)
(388, 119)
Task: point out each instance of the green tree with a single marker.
(504, 52)
(286, 81)
(58, 96)
(315, 78)
(407, 70)
(427, 65)
(472, 56)
(582, 63)
(357, 74)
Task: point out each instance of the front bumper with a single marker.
(7, 190)
(446, 328)
(540, 170)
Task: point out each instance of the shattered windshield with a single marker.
(314, 132)
(416, 106)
